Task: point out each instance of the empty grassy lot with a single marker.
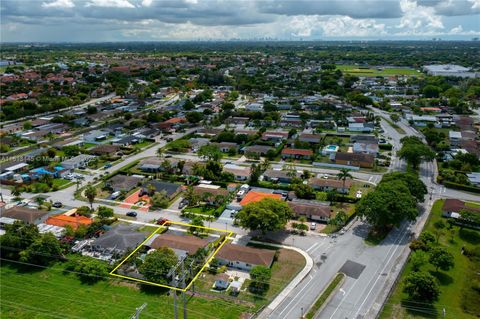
(373, 71)
(457, 294)
(50, 293)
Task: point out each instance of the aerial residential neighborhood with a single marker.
(248, 178)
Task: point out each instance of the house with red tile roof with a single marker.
(296, 153)
(253, 197)
(74, 220)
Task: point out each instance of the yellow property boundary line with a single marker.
(229, 234)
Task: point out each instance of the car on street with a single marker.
(57, 205)
(313, 226)
(107, 166)
(132, 214)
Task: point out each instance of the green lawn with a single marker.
(61, 183)
(47, 293)
(372, 71)
(456, 285)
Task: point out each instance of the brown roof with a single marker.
(190, 244)
(297, 151)
(358, 157)
(104, 149)
(322, 182)
(249, 255)
(124, 182)
(310, 209)
(202, 190)
(24, 214)
(455, 205)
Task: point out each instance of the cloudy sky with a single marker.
(157, 20)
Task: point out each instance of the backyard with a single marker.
(458, 294)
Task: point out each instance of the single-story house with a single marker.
(454, 137)
(128, 140)
(274, 136)
(243, 257)
(73, 220)
(171, 189)
(108, 150)
(203, 189)
(326, 185)
(366, 148)
(275, 176)
(254, 196)
(121, 237)
(27, 215)
(14, 167)
(226, 147)
(360, 127)
(95, 136)
(312, 210)
(240, 173)
(77, 161)
(181, 244)
(221, 281)
(452, 207)
(259, 150)
(150, 165)
(124, 182)
(296, 153)
(355, 159)
(310, 138)
(198, 142)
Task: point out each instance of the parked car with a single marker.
(57, 205)
(132, 214)
(107, 166)
(313, 226)
(183, 204)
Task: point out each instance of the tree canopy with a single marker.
(266, 215)
(157, 265)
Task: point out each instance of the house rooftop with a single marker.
(248, 255)
(253, 197)
(24, 214)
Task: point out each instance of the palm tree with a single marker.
(265, 164)
(90, 193)
(160, 152)
(343, 175)
(16, 192)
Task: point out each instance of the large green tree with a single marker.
(421, 286)
(91, 193)
(389, 205)
(260, 276)
(211, 152)
(42, 251)
(157, 265)
(440, 258)
(416, 187)
(266, 215)
(414, 151)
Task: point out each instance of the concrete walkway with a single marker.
(286, 291)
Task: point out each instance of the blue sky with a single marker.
(157, 20)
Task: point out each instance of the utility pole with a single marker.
(138, 311)
(183, 292)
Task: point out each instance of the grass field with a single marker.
(372, 71)
(51, 293)
(456, 285)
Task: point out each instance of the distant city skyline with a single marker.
(172, 20)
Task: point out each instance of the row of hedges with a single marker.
(463, 187)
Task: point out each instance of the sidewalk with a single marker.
(286, 291)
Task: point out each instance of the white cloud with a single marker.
(110, 4)
(147, 3)
(417, 18)
(59, 4)
(475, 4)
